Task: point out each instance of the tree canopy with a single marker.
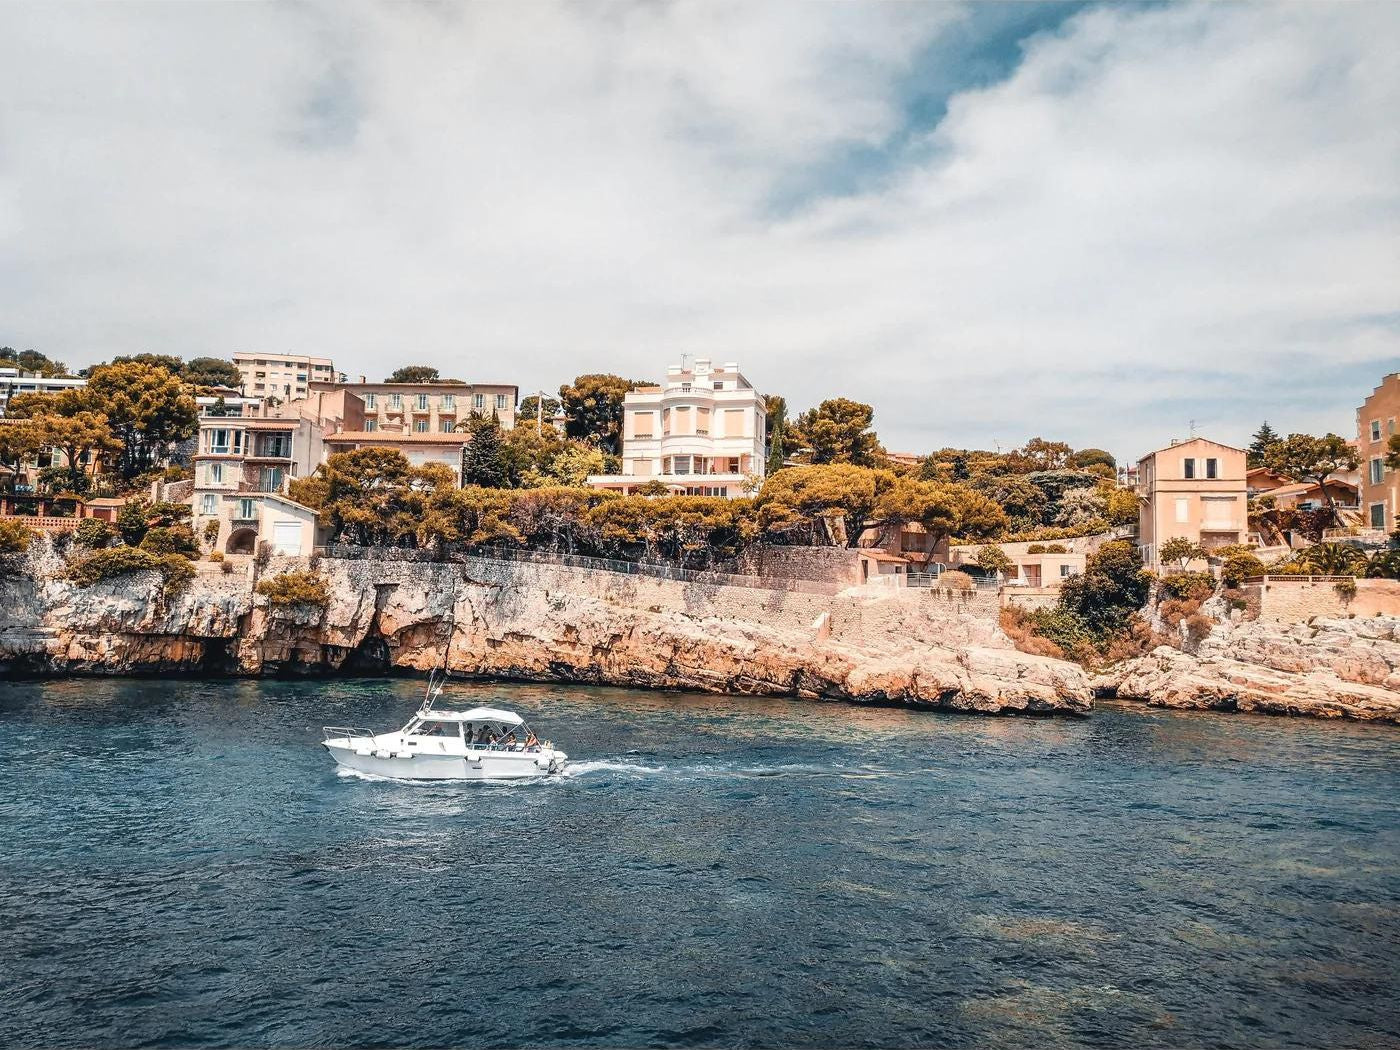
(836, 431)
(413, 374)
(1265, 439)
(32, 361)
(593, 409)
(1305, 457)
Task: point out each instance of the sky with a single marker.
(1095, 223)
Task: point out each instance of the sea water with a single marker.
(183, 865)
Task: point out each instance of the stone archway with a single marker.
(242, 541)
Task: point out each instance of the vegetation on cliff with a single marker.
(114, 562)
(374, 497)
(295, 588)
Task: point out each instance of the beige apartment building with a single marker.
(1375, 423)
(243, 460)
(1193, 489)
(701, 434)
(283, 376)
(428, 408)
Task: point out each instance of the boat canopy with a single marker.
(476, 714)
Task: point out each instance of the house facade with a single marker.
(428, 408)
(1375, 424)
(13, 381)
(242, 463)
(281, 376)
(1192, 489)
(702, 433)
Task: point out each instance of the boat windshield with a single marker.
(433, 727)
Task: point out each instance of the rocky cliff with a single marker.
(525, 621)
(1325, 668)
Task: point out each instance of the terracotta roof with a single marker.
(878, 555)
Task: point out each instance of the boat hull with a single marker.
(505, 765)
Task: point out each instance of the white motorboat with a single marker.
(485, 743)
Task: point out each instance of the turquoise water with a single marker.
(183, 865)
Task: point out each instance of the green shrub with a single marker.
(1036, 548)
(171, 539)
(15, 536)
(1056, 548)
(94, 533)
(121, 561)
(295, 588)
(1239, 565)
(216, 556)
(1194, 586)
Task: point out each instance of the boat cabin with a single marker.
(480, 729)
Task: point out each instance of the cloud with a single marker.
(1143, 216)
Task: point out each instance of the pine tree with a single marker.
(483, 459)
(1264, 439)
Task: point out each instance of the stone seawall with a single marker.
(521, 620)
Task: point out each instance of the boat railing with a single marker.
(348, 732)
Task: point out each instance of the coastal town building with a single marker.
(1192, 489)
(1375, 425)
(13, 381)
(428, 408)
(242, 463)
(701, 433)
(420, 450)
(1299, 495)
(281, 376)
(22, 475)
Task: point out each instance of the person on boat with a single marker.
(531, 740)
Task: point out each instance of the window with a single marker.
(371, 425)
(371, 401)
(208, 503)
(478, 401)
(642, 424)
(245, 510)
(225, 442)
(685, 388)
(1066, 571)
(1377, 471)
(1375, 430)
(1377, 515)
(278, 446)
(395, 402)
(422, 402)
(501, 402)
(446, 425)
(1212, 468)
(447, 401)
(680, 464)
(214, 473)
(420, 426)
(719, 386)
(1188, 470)
(1390, 426)
(1183, 509)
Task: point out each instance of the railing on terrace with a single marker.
(1286, 578)
(47, 522)
(1357, 532)
(658, 570)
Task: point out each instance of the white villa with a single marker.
(701, 434)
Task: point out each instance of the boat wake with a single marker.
(638, 771)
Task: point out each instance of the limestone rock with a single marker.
(544, 622)
(1328, 668)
